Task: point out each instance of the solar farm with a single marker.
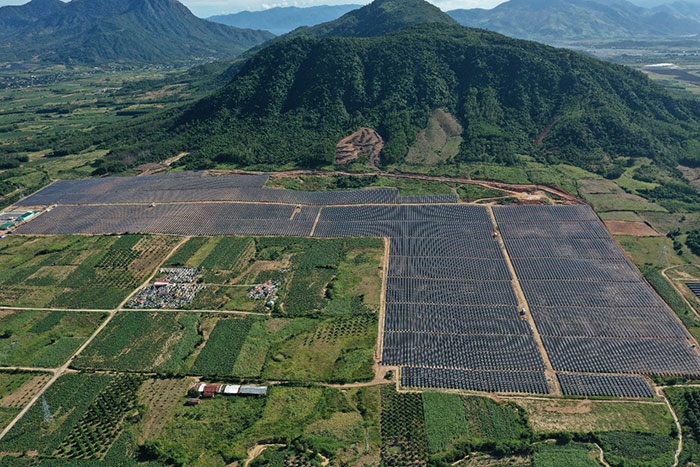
(511, 299)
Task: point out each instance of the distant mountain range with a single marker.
(282, 20)
(107, 31)
(561, 20)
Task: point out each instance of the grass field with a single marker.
(342, 425)
(438, 143)
(584, 416)
(76, 271)
(570, 455)
(41, 338)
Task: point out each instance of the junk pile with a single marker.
(267, 291)
(177, 291)
(181, 275)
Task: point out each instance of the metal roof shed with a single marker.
(253, 391)
(231, 389)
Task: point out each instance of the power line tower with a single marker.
(48, 416)
(662, 257)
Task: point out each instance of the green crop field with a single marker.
(404, 439)
(323, 329)
(146, 341)
(218, 356)
(457, 425)
(67, 401)
(77, 271)
(41, 338)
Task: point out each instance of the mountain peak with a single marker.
(378, 18)
(109, 31)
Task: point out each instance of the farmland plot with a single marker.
(45, 427)
(16, 389)
(343, 425)
(76, 272)
(43, 339)
(144, 341)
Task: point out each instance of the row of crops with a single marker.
(76, 272)
(100, 424)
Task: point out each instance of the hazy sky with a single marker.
(212, 7)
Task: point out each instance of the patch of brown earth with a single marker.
(637, 229)
(21, 396)
(365, 142)
(692, 174)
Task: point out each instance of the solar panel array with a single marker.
(604, 385)
(180, 186)
(477, 380)
(694, 287)
(428, 199)
(451, 315)
(197, 186)
(177, 219)
(593, 309)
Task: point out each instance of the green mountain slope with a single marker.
(100, 31)
(378, 18)
(293, 101)
(556, 20)
(282, 20)
(14, 18)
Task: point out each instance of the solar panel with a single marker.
(587, 384)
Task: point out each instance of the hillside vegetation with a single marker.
(293, 101)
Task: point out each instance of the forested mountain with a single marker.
(690, 10)
(294, 100)
(556, 20)
(101, 31)
(281, 20)
(378, 18)
(14, 18)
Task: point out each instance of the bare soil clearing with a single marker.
(365, 142)
(637, 229)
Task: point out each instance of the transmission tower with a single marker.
(48, 416)
(662, 257)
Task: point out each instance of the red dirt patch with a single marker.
(637, 229)
(365, 142)
(547, 130)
